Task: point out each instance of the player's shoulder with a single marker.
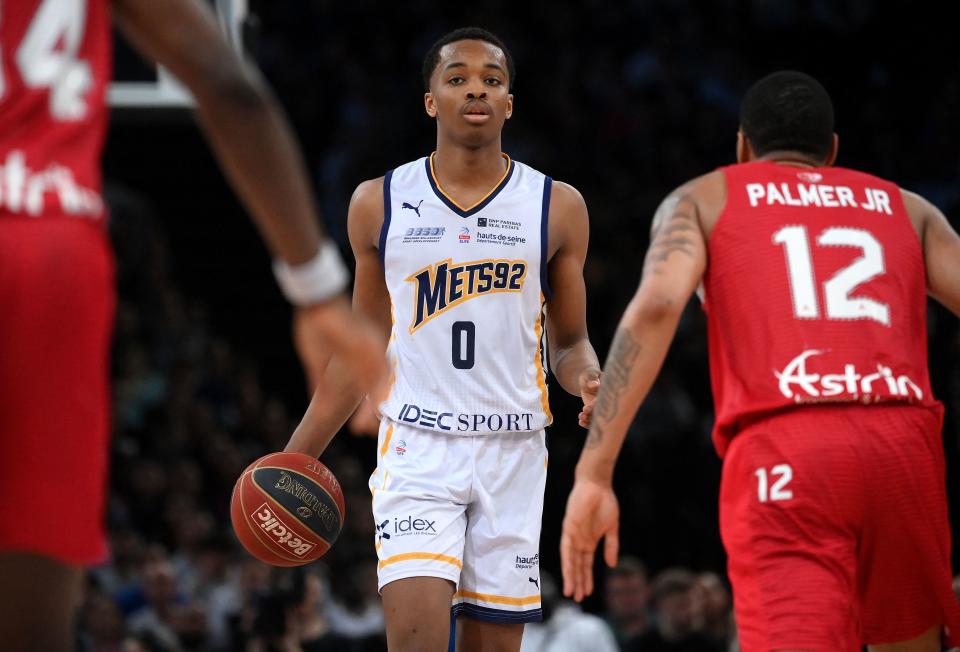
(916, 203)
(368, 194)
(707, 186)
(366, 212)
(923, 213)
(565, 198)
(707, 192)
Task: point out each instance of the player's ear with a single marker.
(429, 105)
(744, 151)
(509, 105)
(834, 148)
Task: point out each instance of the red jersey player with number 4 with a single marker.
(832, 504)
(56, 272)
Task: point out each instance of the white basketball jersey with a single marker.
(467, 288)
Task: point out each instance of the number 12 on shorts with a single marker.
(781, 475)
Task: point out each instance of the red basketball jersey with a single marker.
(815, 292)
(55, 58)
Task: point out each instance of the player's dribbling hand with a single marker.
(331, 328)
(592, 513)
(589, 386)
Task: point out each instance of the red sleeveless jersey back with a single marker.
(815, 292)
(55, 60)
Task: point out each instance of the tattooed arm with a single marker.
(672, 270)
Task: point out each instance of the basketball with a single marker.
(287, 509)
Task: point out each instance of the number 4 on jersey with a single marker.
(47, 57)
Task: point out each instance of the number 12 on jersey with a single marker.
(836, 291)
(783, 474)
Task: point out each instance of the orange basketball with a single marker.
(287, 509)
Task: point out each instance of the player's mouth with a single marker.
(476, 112)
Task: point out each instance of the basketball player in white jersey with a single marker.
(465, 257)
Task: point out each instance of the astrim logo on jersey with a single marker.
(796, 383)
(25, 190)
(446, 285)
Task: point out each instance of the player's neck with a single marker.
(791, 158)
(457, 166)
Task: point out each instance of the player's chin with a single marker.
(479, 135)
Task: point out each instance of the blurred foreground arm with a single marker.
(673, 267)
(259, 155)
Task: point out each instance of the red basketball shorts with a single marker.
(56, 314)
(835, 523)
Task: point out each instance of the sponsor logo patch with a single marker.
(493, 223)
(501, 239)
(424, 234)
(795, 382)
(445, 420)
(527, 562)
(406, 526)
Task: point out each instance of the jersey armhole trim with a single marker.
(385, 227)
(544, 230)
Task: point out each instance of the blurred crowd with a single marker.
(625, 100)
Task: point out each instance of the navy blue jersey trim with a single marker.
(474, 209)
(385, 227)
(544, 249)
(491, 615)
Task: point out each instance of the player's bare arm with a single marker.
(673, 267)
(258, 153)
(326, 414)
(573, 360)
(941, 250)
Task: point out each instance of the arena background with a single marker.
(624, 100)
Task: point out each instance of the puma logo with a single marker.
(415, 209)
(537, 582)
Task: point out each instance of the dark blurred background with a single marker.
(624, 100)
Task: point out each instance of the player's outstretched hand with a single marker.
(592, 513)
(589, 386)
(331, 328)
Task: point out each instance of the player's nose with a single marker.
(476, 91)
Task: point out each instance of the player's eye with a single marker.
(455, 80)
(493, 81)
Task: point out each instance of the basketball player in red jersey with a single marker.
(832, 503)
(56, 272)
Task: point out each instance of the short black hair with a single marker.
(432, 58)
(789, 111)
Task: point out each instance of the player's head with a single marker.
(468, 74)
(787, 112)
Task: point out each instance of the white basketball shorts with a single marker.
(466, 508)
